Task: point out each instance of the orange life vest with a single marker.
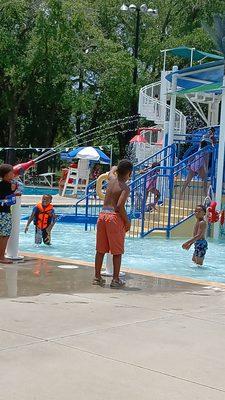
(43, 216)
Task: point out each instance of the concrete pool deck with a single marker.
(62, 339)
(32, 200)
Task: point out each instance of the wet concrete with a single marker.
(37, 276)
(62, 338)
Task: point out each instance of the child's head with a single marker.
(46, 199)
(124, 169)
(200, 211)
(6, 172)
(155, 164)
(212, 131)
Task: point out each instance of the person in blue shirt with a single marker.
(7, 189)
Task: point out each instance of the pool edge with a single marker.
(81, 263)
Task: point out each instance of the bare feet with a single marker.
(5, 261)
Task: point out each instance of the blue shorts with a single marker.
(200, 248)
(5, 224)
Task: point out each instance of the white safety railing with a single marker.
(153, 109)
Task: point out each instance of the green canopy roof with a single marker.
(188, 52)
(212, 87)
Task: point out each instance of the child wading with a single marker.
(113, 223)
(44, 219)
(198, 238)
(7, 188)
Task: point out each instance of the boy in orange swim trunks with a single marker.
(113, 223)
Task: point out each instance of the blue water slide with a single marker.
(191, 150)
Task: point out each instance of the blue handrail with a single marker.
(165, 156)
(172, 209)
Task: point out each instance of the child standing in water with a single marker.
(44, 219)
(7, 188)
(113, 223)
(198, 238)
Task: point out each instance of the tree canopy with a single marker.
(67, 66)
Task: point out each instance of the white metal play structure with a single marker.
(203, 84)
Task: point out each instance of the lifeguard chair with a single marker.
(77, 178)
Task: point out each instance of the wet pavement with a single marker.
(62, 338)
(38, 276)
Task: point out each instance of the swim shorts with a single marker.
(5, 224)
(200, 248)
(110, 233)
(198, 163)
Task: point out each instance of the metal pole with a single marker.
(134, 104)
(192, 54)
(164, 60)
(172, 106)
(13, 242)
(111, 153)
(136, 45)
(220, 165)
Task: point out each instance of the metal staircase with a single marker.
(153, 106)
(173, 209)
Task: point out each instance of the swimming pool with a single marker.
(35, 190)
(148, 254)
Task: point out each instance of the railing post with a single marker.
(86, 209)
(132, 194)
(173, 154)
(143, 206)
(173, 106)
(213, 168)
(171, 176)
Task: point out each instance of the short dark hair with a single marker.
(155, 164)
(202, 207)
(5, 169)
(47, 195)
(124, 166)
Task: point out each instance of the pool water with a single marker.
(148, 254)
(34, 190)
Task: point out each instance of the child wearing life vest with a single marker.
(44, 218)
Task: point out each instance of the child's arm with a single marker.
(112, 172)
(200, 234)
(54, 219)
(121, 208)
(30, 219)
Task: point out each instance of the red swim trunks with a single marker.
(110, 233)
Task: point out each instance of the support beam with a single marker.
(220, 164)
(198, 109)
(172, 106)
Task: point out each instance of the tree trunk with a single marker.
(11, 154)
(79, 112)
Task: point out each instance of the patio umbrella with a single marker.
(87, 153)
(138, 139)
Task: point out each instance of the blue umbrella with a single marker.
(86, 153)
